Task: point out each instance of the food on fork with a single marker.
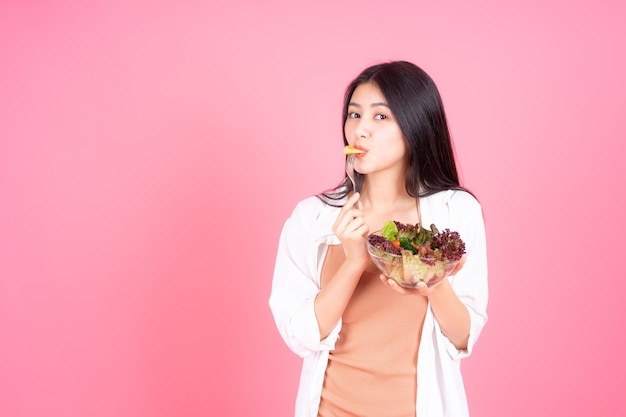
(350, 150)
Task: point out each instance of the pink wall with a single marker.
(150, 151)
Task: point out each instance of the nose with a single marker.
(362, 129)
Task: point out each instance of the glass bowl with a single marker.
(408, 270)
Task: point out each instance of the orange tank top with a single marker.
(373, 369)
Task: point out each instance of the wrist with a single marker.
(354, 266)
(439, 289)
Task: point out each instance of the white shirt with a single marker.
(302, 247)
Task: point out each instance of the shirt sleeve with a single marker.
(470, 283)
(295, 285)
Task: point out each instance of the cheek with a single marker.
(395, 139)
(396, 145)
(348, 131)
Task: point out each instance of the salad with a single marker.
(411, 253)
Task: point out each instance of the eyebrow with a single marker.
(380, 103)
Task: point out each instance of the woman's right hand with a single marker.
(352, 231)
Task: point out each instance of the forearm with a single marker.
(451, 314)
(333, 298)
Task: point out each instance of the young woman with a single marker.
(370, 347)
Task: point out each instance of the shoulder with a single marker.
(457, 199)
(463, 199)
(452, 209)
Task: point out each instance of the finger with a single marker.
(390, 283)
(363, 230)
(357, 227)
(349, 222)
(349, 207)
(351, 203)
(349, 211)
(422, 287)
(356, 202)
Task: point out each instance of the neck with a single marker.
(382, 194)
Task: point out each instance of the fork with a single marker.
(350, 172)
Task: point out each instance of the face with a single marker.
(371, 126)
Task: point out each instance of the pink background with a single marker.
(151, 150)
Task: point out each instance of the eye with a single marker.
(353, 115)
(380, 117)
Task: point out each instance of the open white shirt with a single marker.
(302, 247)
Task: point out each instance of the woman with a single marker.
(370, 347)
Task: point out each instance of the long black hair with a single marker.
(416, 104)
